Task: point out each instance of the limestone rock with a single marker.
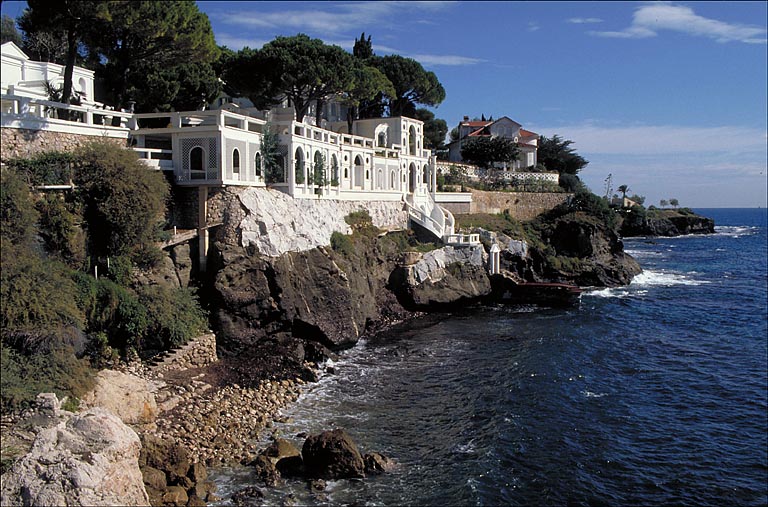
(443, 278)
(332, 455)
(125, 395)
(88, 459)
(275, 223)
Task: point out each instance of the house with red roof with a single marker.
(505, 127)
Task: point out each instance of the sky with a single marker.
(669, 98)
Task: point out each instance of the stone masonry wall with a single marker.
(199, 352)
(21, 143)
(521, 205)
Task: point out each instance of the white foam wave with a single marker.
(735, 231)
(650, 278)
(590, 394)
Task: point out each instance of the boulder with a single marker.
(332, 455)
(376, 463)
(279, 449)
(443, 279)
(265, 470)
(125, 395)
(91, 458)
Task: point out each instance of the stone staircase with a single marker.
(423, 210)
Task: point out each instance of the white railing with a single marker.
(156, 158)
(16, 107)
(461, 239)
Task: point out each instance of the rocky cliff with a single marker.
(666, 223)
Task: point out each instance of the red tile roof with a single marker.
(476, 123)
(528, 133)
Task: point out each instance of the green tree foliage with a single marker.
(70, 20)
(557, 155)
(413, 85)
(123, 201)
(17, 211)
(164, 44)
(302, 69)
(271, 158)
(487, 151)
(435, 129)
(663, 203)
(623, 189)
(318, 175)
(674, 203)
(363, 48)
(9, 32)
(369, 83)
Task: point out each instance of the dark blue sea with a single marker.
(650, 394)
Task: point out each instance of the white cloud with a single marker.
(236, 43)
(659, 139)
(585, 21)
(649, 20)
(454, 60)
(533, 26)
(331, 18)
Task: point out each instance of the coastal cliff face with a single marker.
(667, 223)
(307, 299)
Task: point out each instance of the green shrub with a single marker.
(58, 230)
(123, 200)
(174, 316)
(120, 269)
(359, 219)
(341, 243)
(48, 168)
(17, 212)
(24, 376)
(36, 292)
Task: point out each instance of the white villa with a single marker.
(504, 127)
(382, 159)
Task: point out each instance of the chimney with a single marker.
(466, 118)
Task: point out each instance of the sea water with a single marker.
(654, 393)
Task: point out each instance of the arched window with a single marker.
(197, 163)
(412, 140)
(392, 180)
(299, 166)
(334, 171)
(382, 140)
(257, 165)
(360, 173)
(236, 163)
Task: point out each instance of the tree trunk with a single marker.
(350, 118)
(319, 113)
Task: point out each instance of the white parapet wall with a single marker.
(275, 223)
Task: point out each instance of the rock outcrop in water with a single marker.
(667, 223)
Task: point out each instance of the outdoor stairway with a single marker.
(423, 210)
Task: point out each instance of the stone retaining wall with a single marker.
(199, 352)
(22, 143)
(520, 205)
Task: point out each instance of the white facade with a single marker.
(24, 77)
(504, 127)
